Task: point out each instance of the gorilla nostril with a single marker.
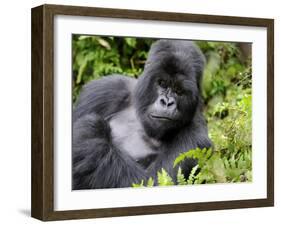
(170, 103)
(163, 102)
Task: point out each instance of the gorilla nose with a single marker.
(167, 102)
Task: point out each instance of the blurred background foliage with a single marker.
(226, 89)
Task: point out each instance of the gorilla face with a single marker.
(175, 97)
(167, 94)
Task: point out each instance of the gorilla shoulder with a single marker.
(104, 96)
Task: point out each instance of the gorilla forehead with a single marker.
(175, 60)
(174, 57)
(173, 46)
(174, 66)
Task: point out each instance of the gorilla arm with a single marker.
(96, 162)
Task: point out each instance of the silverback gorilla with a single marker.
(125, 129)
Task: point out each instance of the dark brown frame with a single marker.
(42, 203)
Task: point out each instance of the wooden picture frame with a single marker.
(42, 203)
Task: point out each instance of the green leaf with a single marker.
(192, 177)
(140, 185)
(82, 37)
(104, 43)
(131, 42)
(164, 179)
(150, 182)
(180, 177)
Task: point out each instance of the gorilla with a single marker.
(125, 129)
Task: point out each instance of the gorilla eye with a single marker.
(162, 84)
(179, 91)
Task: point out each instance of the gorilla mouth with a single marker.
(160, 117)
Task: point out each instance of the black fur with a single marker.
(99, 161)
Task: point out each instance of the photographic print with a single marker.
(150, 112)
(139, 112)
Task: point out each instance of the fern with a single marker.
(180, 178)
(150, 182)
(192, 177)
(140, 185)
(201, 154)
(164, 179)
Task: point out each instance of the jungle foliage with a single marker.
(227, 93)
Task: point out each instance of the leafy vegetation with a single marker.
(227, 93)
(96, 56)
